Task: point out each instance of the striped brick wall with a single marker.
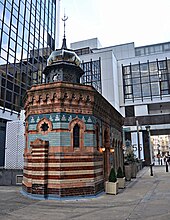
(62, 175)
(52, 165)
(39, 149)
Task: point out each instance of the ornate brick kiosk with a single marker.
(73, 135)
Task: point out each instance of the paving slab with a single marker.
(145, 197)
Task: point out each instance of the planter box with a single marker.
(121, 183)
(128, 172)
(133, 170)
(111, 188)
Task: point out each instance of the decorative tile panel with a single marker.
(32, 127)
(90, 127)
(51, 118)
(89, 140)
(32, 120)
(63, 125)
(38, 119)
(54, 138)
(61, 117)
(70, 118)
(57, 118)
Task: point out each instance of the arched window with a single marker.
(106, 138)
(76, 136)
(77, 128)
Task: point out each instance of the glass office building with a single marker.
(136, 81)
(146, 80)
(27, 37)
(92, 74)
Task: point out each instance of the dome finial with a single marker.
(64, 45)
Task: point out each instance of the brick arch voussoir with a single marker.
(46, 120)
(77, 121)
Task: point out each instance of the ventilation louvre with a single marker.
(19, 179)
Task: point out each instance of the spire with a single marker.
(64, 45)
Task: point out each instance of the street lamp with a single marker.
(160, 82)
(112, 150)
(138, 138)
(149, 137)
(102, 149)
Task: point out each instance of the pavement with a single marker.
(146, 197)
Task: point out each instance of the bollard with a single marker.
(161, 162)
(151, 169)
(167, 166)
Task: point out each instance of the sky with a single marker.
(116, 22)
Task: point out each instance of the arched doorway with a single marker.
(112, 156)
(106, 154)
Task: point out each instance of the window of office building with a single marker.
(129, 111)
(27, 33)
(92, 75)
(146, 80)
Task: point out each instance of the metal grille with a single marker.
(14, 145)
(2, 145)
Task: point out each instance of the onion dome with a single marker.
(63, 64)
(63, 55)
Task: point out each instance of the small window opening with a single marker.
(76, 136)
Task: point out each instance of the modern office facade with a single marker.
(27, 37)
(136, 81)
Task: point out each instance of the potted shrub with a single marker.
(130, 164)
(128, 171)
(132, 160)
(120, 178)
(134, 170)
(112, 184)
